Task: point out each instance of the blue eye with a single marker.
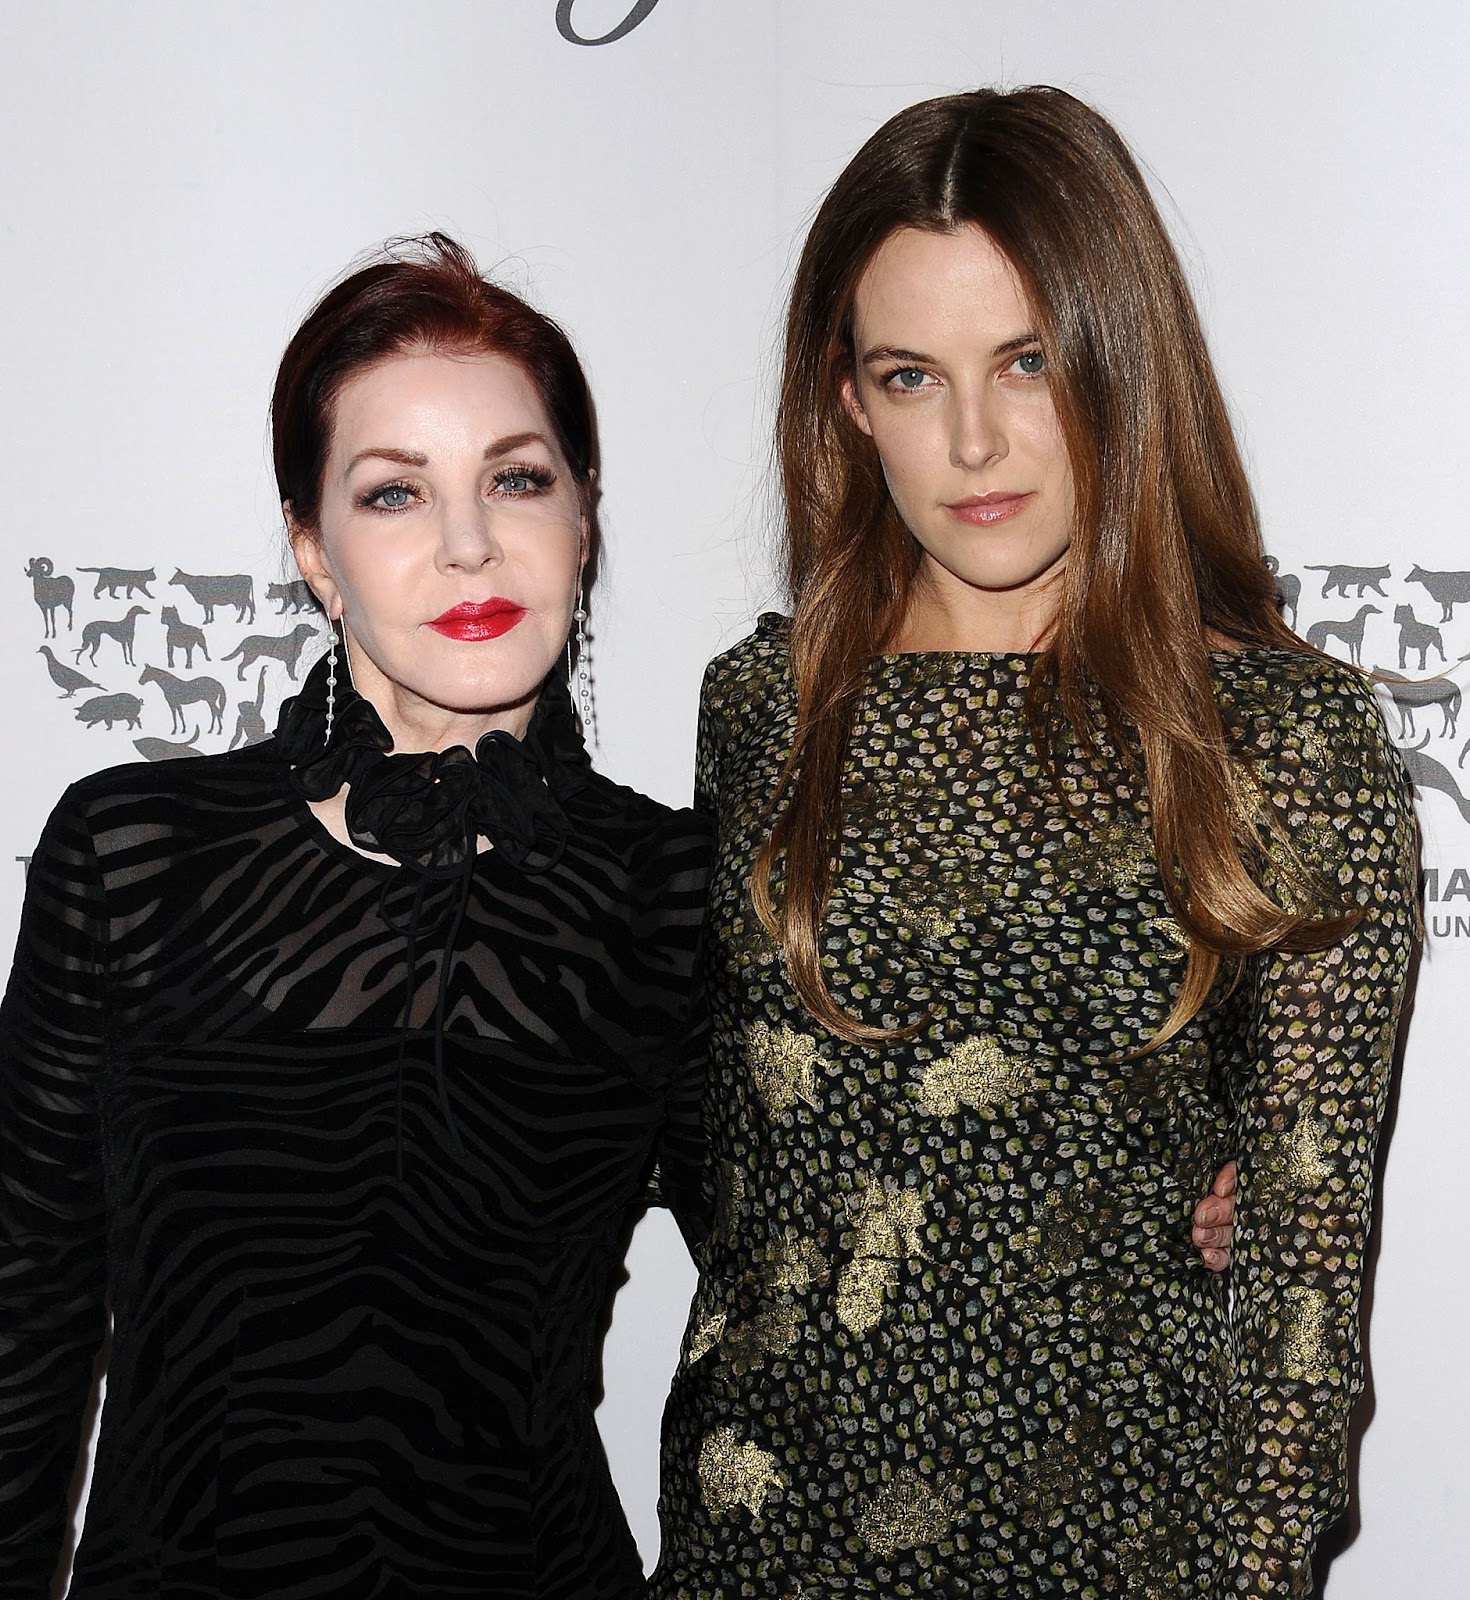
(390, 497)
(910, 378)
(518, 482)
(1032, 363)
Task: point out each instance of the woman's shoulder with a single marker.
(752, 671)
(233, 780)
(1271, 694)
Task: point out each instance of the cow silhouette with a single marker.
(233, 589)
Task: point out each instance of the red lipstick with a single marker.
(475, 621)
(983, 510)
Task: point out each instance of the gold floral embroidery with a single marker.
(795, 1266)
(904, 1514)
(931, 912)
(1292, 1164)
(1052, 1480)
(706, 1335)
(1113, 855)
(783, 1065)
(1304, 1356)
(979, 1072)
(887, 1223)
(731, 1189)
(734, 1473)
(771, 1331)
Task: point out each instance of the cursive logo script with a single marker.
(564, 26)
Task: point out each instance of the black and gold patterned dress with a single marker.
(951, 1337)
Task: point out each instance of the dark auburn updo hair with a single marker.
(424, 294)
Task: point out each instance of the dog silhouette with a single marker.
(1349, 630)
(183, 636)
(121, 629)
(286, 649)
(1416, 635)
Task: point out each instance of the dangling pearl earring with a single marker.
(331, 680)
(582, 688)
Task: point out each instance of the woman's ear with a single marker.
(855, 406)
(311, 562)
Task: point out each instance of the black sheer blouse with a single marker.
(350, 1150)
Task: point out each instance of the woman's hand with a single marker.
(1214, 1221)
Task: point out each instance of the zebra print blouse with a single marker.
(355, 1348)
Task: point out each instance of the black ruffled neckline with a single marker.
(427, 810)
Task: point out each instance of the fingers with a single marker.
(1225, 1180)
(1215, 1260)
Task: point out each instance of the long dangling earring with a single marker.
(331, 680)
(582, 689)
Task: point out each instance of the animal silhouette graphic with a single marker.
(122, 629)
(52, 594)
(293, 596)
(181, 692)
(164, 750)
(182, 636)
(1288, 589)
(1349, 631)
(1446, 589)
(1416, 635)
(236, 589)
(114, 578)
(66, 678)
(249, 724)
(1341, 578)
(1427, 773)
(260, 646)
(110, 708)
(1413, 694)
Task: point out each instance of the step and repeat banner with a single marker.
(182, 179)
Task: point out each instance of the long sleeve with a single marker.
(683, 1168)
(52, 1252)
(1310, 1102)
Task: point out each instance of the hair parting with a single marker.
(1166, 547)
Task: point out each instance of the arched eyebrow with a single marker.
(887, 354)
(508, 446)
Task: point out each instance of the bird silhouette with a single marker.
(66, 678)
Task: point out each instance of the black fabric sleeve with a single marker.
(1310, 1105)
(53, 1033)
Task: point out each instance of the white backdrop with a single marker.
(180, 179)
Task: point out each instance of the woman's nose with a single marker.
(977, 436)
(468, 539)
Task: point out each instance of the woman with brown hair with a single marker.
(1053, 869)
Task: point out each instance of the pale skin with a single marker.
(950, 383)
(443, 486)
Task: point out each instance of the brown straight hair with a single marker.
(1166, 546)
